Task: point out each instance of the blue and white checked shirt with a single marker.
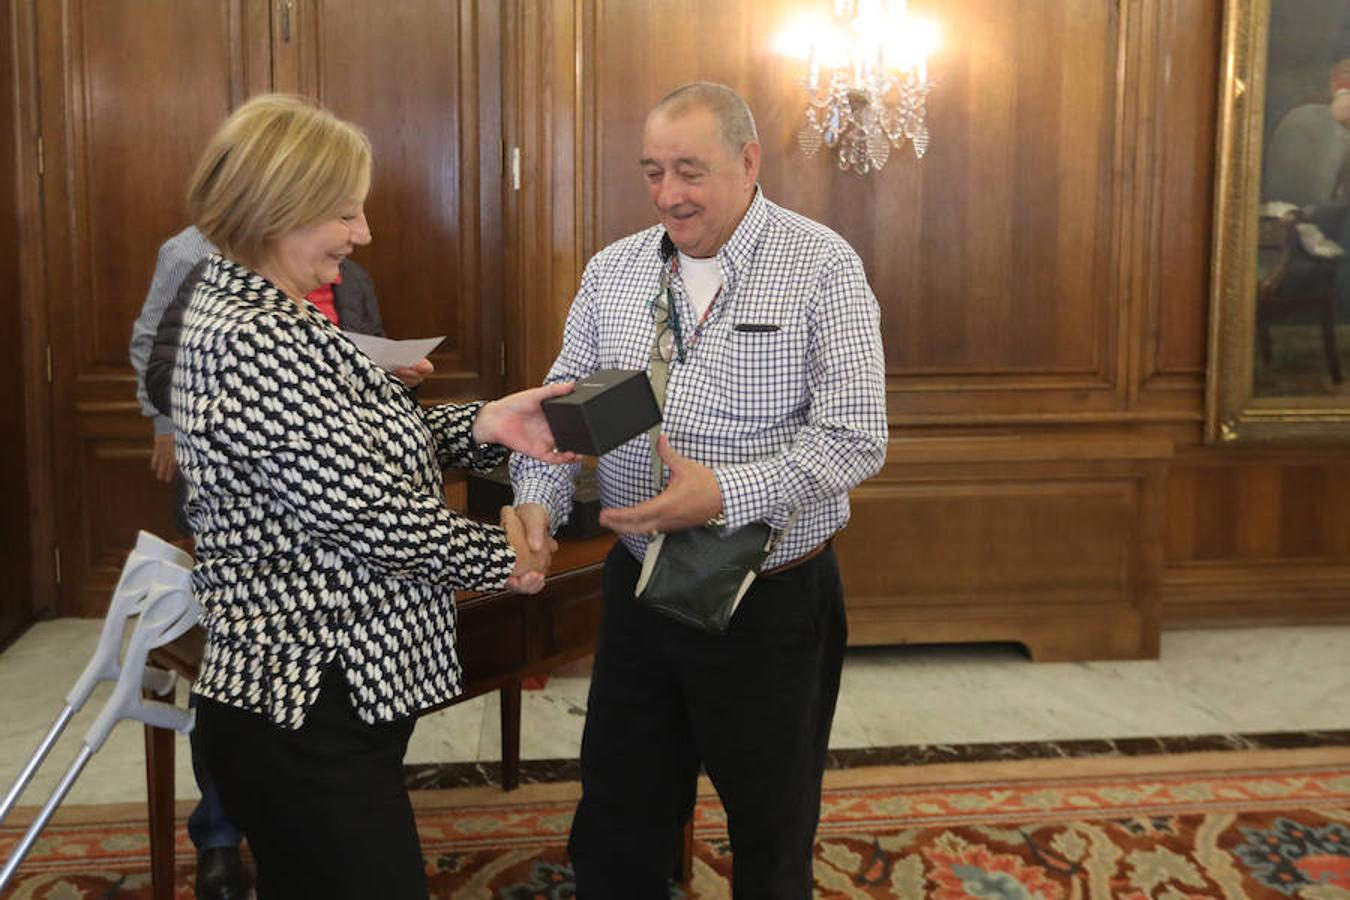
(790, 413)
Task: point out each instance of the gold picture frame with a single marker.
(1280, 277)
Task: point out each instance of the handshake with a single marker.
(527, 531)
(518, 421)
(691, 497)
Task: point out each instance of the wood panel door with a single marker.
(130, 93)
(423, 78)
(16, 603)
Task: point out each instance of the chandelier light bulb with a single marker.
(866, 80)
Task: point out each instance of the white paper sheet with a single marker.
(390, 355)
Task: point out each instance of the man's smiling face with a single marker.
(700, 187)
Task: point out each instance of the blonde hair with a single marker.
(277, 163)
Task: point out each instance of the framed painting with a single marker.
(1279, 336)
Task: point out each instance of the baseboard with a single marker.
(1281, 593)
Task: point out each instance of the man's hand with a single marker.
(535, 519)
(517, 421)
(162, 461)
(413, 375)
(531, 565)
(691, 498)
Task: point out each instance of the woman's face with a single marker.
(307, 258)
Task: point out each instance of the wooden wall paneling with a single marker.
(1050, 544)
(994, 257)
(16, 556)
(1132, 127)
(1042, 275)
(484, 292)
(424, 79)
(127, 102)
(1335, 501)
(1136, 238)
(292, 53)
(33, 319)
(588, 126)
(1258, 537)
(122, 86)
(1007, 268)
(545, 213)
(582, 75)
(1026, 128)
(639, 52)
(1181, 142)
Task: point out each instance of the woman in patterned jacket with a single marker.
(326, 555)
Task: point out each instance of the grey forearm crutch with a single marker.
(156, 588)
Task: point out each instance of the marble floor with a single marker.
(1210, 689)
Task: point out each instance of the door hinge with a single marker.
(56, 560)
(501, 359)
(41, 163)
(515, 168)
(49, 363)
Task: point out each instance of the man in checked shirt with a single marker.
(775, 405)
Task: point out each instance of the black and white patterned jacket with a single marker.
(315, 495)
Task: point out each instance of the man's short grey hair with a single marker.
(733, 116)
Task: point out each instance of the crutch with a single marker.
(138, 575)
(157, 589)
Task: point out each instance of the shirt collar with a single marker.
(737, 251)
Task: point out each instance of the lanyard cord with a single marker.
(660, 374)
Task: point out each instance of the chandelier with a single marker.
(866, 81)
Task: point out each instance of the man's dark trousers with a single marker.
(753, 706)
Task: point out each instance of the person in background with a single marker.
(325, 554)
(775, 406)
(1335, 216)
(349, 303)
(1338, 80)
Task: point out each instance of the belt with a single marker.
(804, 558)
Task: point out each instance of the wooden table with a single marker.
(502, 639)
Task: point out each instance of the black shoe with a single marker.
(220, 874)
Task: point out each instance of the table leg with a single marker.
(511, 736)
(159, 791)
(684, 863)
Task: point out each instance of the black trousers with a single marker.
(753, 706)
(324, 808)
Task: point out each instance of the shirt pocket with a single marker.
(764, 368)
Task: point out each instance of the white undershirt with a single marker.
(702, 278)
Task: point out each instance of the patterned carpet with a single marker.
(1191, 829)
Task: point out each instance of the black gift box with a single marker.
(604, 410)
(488, 492)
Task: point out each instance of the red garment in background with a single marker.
(323, 299)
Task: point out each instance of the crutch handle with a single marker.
(158, 681)
(169, 611)
(145, 567)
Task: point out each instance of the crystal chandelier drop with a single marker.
(866, 81)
